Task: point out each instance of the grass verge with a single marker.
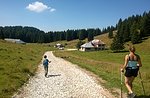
(106, 65)
(17, 63)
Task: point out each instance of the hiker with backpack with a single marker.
(45, 64)
(131, 67)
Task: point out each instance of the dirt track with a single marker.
(65, 80)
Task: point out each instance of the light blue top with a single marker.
(132, 64)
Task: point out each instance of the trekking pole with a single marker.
(142, 82)
(121, 84)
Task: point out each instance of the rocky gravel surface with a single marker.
(65, 80)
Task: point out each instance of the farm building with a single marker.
(18, 41)
(59, 46)
(94, 45)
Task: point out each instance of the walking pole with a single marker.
(142, 82)
(121, 84)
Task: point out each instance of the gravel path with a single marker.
(65, 80)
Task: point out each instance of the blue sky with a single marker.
(59, 15)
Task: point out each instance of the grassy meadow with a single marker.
(106, 65)
(17, 63)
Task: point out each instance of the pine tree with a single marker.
(1, 34)
(110, 34)
(80, 42)
(68, 35)
(82, 34)
(116, 44)
(126, 31)
(90, 36)
(135, 33)
(98, 31)
(146, 24)
(135, 38)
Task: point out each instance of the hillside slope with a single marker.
(17, 63)
(106, 64)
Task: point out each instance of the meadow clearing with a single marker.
(19, 62)
(106, 65)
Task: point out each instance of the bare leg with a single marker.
(128, 83)
(131, 81)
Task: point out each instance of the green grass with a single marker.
(106, 65)
(17, 63)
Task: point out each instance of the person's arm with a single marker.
(125, 63)
(139, 62)
(49, 61)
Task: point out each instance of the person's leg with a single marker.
(132, 94)
(128, 84)
(131, 81)
(46, 70)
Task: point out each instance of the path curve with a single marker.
(65, 80)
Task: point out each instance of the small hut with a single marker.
(18, 41)
(59, 46)
(94, 45)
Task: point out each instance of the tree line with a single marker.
(133, 29)
(34, 35)
(27, 34)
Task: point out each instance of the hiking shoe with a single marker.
(46, 76)
(132, 95)
(128, 95)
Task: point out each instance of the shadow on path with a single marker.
(143, 96)
(53, 75)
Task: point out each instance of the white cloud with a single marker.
(52, 10)
(39, 7)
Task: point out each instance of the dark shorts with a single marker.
(131, 72)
